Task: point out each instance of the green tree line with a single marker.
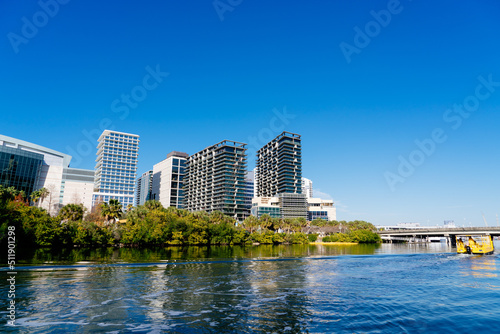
(148, 224)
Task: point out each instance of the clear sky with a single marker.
(362, 82)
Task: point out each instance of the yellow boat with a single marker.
(474, 244)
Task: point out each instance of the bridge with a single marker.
(433, 233)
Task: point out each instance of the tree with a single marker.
(35, 196)
(50, 192)
(301, 221)
(153, 205)
(217, 217)
(265, 221)
(72, 212)
(95, 214)
(287, 224)
(111, 210)
(250, 223)
(318, 222)
(43, 195)
(10, 193)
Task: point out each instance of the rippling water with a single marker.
(317, 289)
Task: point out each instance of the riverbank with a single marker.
(333, 243)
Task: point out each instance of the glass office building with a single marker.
(116, 167)
(249, 190)
(64, 184)
(143, 188)
(20, 169)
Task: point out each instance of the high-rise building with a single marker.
(279, 174)
(143, 188)
(279, 166)
(215, 180)
(28, 167)
(254, 174)
(249, 190)
(307, 187)
(168, 180)
(116, 167)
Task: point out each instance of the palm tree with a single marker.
(72, 212)
(153, 204)
(115, 209)
(265, 221)
(43, 195)
(287, 224)
(105, 211)
(129, 207)
(35, 196)
(250, 222)
(10, 193)
(217, 217)
(111, 210)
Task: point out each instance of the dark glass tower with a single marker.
(279, 166)
(279, 174)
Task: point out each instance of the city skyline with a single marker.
(395, 101)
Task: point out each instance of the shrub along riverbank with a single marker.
(152, 224)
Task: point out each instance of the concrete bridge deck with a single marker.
(423, 234)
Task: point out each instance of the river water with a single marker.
(386, 288)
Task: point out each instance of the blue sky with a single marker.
(247, 69)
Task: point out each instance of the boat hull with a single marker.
(475, 244)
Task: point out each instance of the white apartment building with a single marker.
(168, 180)
(116, 167)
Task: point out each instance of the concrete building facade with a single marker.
(307, 187)
(78, 186)
(168, 180)
(266, 205)
(215, 180)
(321, 209)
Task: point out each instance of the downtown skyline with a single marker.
(182, 78)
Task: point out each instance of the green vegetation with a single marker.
(344, 225)
(152, 224)
(359, 236)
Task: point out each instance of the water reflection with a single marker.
(479, 266)
(296, 288)
(83, 256)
